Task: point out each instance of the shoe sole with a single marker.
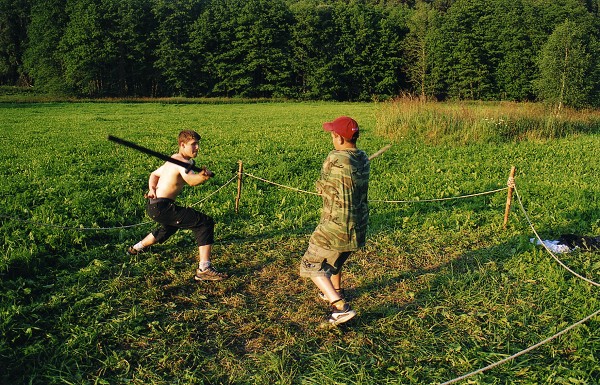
(196, 278)
(343, 318)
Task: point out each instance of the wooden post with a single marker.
(511, 187)
(239, 186)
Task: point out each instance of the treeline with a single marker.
(350, 50)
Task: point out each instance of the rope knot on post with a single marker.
(511, 182)
(511, 187)
(240, 176)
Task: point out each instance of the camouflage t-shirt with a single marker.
(344, 185)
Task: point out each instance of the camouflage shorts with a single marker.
(318, 261)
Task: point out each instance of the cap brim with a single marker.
(328, 126)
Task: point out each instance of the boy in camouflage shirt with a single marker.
(342, 229)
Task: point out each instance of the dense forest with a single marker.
(351, 50)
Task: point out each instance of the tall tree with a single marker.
(174, 59)
(263, 37)
(389, 61)
(347, 51)
(130, 33)
(543, 16)
(516, 57)
(85, 48)
(565, 63)
(42, 61)
(313, 45)
(465, 56)
(14, 17)
(358, 37)
(254, 59)
(210, 35)
(418, 46)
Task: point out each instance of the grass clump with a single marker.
(463, 123)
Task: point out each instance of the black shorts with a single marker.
(173, 217)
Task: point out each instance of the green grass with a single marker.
(481, 122)
(441, 289)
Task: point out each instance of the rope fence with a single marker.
(216, 191)
(239, 176)
(81, 228)
(382, 200)
(524, 351)
(561, 263)
(440, 199)
(511, 187)
(281, 185)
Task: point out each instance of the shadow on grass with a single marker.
(472, 260)
(151, 308)
(467, 262)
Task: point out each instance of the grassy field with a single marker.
(441, 289)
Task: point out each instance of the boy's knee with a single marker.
(205, 234)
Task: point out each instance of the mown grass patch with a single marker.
(441, 289)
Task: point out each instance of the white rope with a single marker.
(75, 228)
(380, 200)
(532, 347)
(216, 191)
(513, 185)
(440, 199)
(546, 247)
(110, 228)
(281, 185)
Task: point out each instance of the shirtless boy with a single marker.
(165, 184)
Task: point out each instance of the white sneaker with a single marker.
(340, 316)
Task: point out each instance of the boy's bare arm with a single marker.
(192, 178)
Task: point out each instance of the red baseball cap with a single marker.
(344, 126)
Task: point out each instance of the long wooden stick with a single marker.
(511, 187)
(239, 185)
(384, 149)
(187, 166)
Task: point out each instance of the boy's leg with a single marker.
(204, 253)
(315, 266)
(203, 228)
(148, 240)
(327, 288)
(205, 271)
(162, 212)
(336, 280)
(341, 310)
(324, 267)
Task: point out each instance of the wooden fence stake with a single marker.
(511, 187)
(239, 186)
